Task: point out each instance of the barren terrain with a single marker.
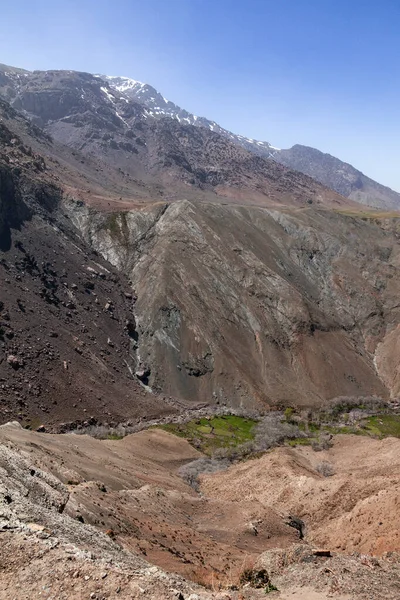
(91, 513)
(150, 270)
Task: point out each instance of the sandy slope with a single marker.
(355, 509)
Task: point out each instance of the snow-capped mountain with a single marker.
(104, 114)
(158, 106)
(330, 171)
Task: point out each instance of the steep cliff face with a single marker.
(247, 306)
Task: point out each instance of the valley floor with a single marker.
(87, 518)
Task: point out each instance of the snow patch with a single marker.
(122, 119)
(107, 93)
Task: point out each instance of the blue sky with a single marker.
(322, 73)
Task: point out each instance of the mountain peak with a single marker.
(122, 84)
(128, 99)
(158, 106)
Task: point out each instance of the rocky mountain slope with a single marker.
(250, 305)
(67, 325)
(332, 172)
(236, 304)
(162, 157)
(338, 176)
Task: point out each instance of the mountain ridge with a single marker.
(334, 173)
(160, 106)
(328, 170)
(163, 157)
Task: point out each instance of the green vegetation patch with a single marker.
(383, 425)
(302, 441)
(344, 429)
(117, 226)
(209, 434)
(112, 223)
(115, 436)
(308, 427)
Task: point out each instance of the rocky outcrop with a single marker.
(249, 306)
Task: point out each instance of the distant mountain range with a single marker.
(159, 155)
(332, 172)
(100, 114)
(339, 176)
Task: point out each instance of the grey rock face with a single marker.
(249, 306)
(339, 176)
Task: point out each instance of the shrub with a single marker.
(257, 578)
(344, 404)
(325, 468)
(191, 471)
(107, 432)
(272, 431)
(288, 414)
(324, 443)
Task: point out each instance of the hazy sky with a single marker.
(324, 73)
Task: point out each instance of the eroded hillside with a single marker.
(249, 306)
(83, 518)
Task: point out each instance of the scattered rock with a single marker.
(252, 527)
(14, 361)
(298, 524)
(256, 578)
(143, 374)
(322, 553)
